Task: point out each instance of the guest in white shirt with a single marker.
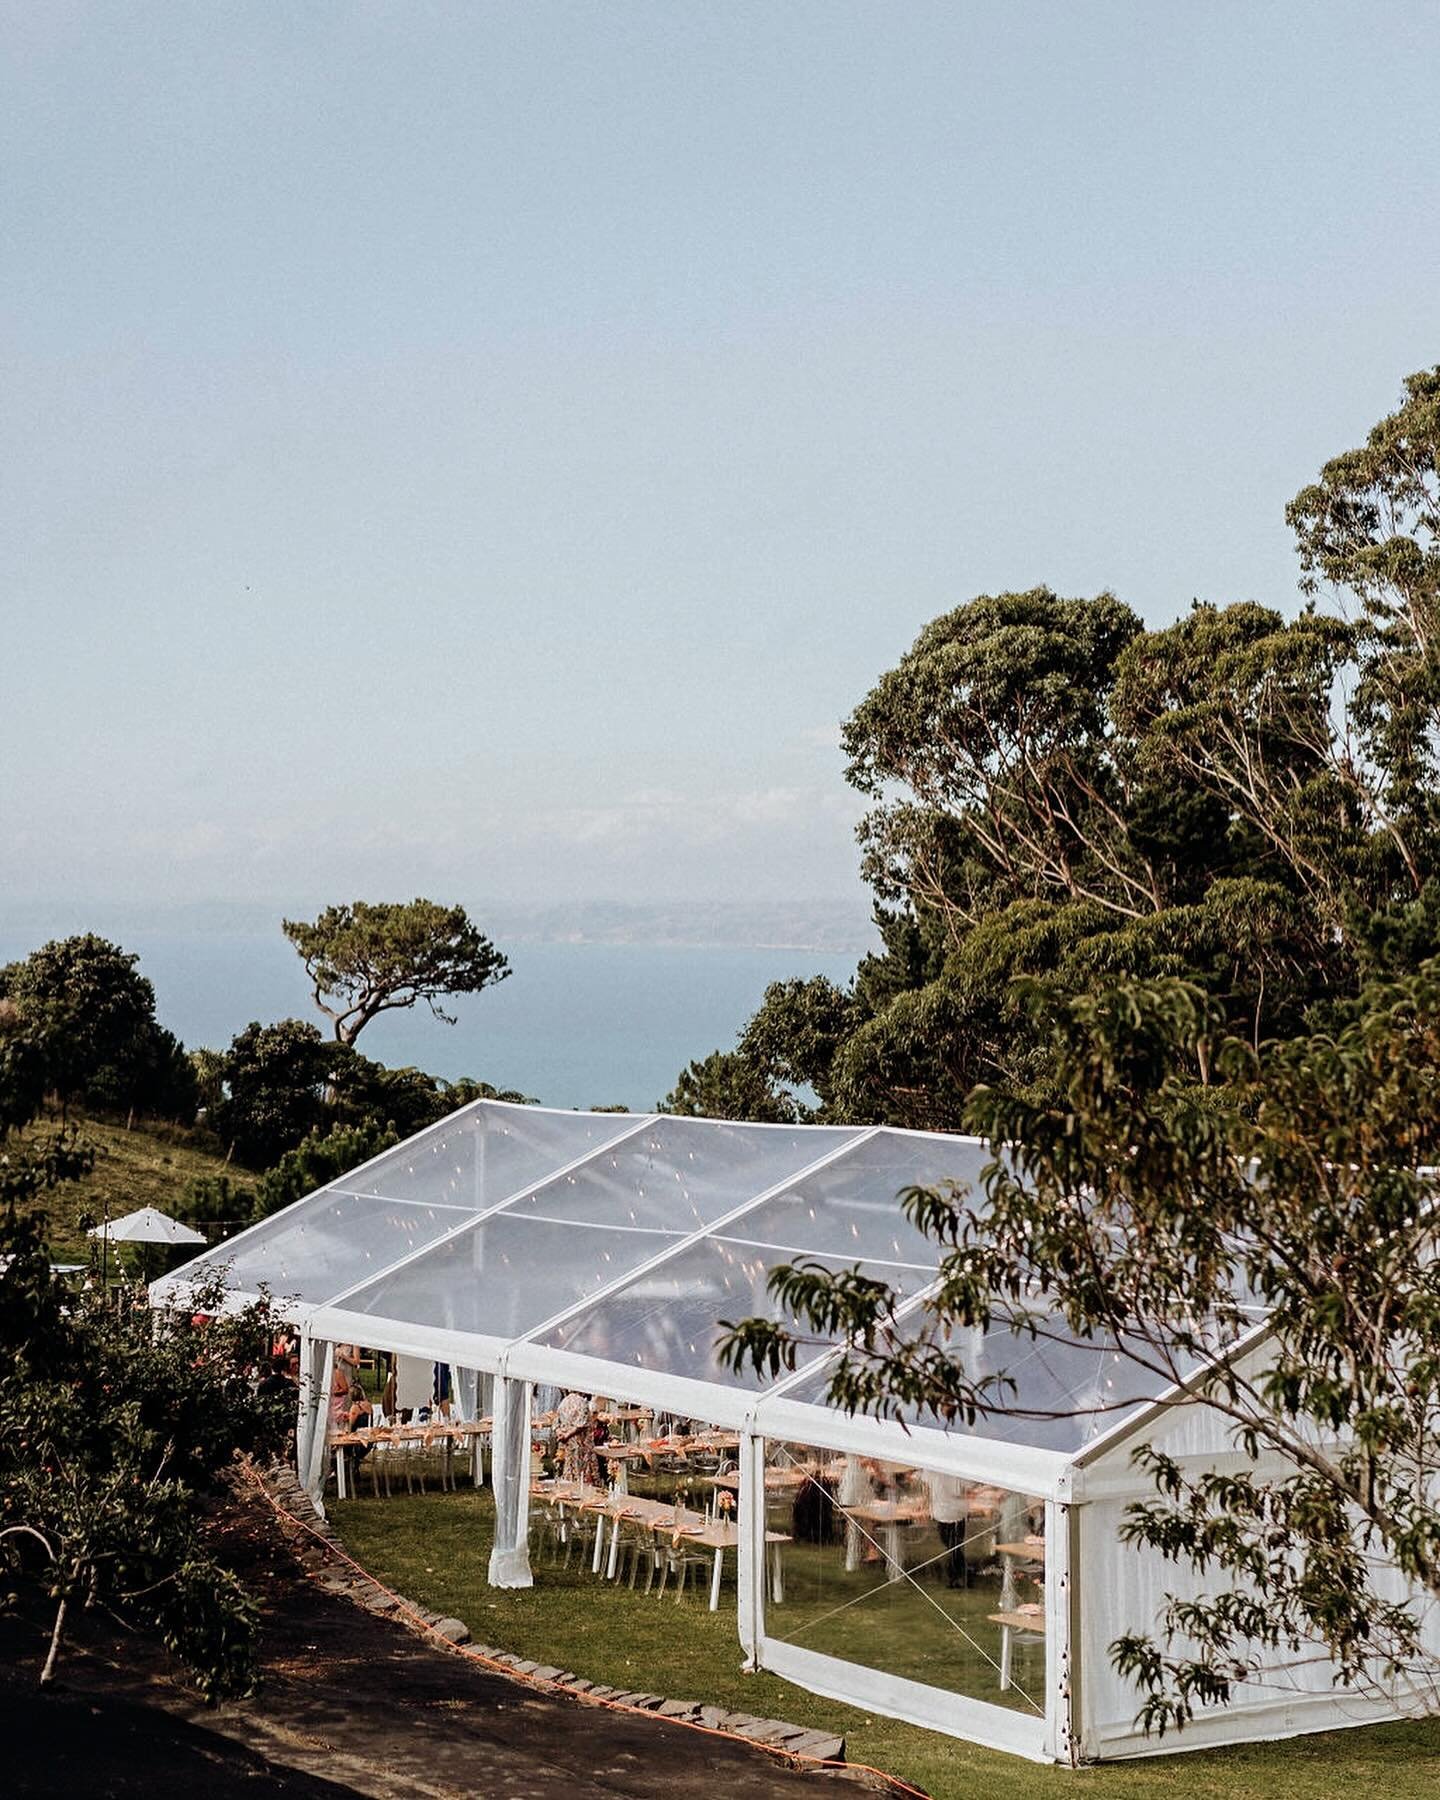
(950, 1509)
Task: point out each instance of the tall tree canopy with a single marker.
(1244, 800)
(273, 1084)
(368, 958)
(85, 999)
(1161, 915)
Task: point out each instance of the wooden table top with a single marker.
(656, 1515)
(702, 1443)
(411, 1434)
(890, 1512)
(1033, 1547)
(775, 1479)
(1020, 1619)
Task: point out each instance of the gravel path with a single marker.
(351, 1705)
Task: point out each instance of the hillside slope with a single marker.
(145, 1166)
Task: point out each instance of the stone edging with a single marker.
(284, 1487)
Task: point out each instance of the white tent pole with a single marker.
(681, 1245)
(510, 1482)
(750, 1547)
(321, 1365)
(304, 1419)
(1059, 1652)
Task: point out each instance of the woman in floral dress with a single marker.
(574, 1434)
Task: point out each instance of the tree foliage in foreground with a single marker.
(112, 1433)
(367, 958)
(1138, 1210)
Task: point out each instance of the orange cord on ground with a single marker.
(555, 1687)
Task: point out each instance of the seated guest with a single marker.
(357, 1411)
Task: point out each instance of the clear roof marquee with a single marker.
(629, 1240)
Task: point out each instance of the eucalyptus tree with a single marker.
(1288, 1212)
(1242, 799)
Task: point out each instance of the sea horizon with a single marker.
(585, 1020)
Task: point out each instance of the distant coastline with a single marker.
(802, 927)
(580, 1023)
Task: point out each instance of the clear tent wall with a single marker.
(936, 1575)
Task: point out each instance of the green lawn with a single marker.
(434, 1548)
(926, 1633)
(146, 1166)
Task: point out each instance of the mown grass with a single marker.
(145, 1166)
(434, 1548)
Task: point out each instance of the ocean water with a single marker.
(574, 1024)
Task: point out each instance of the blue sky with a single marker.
(486, 449)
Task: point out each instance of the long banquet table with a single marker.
(679, 1523)
(443, 1436)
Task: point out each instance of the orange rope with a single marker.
(557, 1687)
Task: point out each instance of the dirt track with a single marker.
(351, 1705)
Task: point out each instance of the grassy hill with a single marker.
(145, 1166)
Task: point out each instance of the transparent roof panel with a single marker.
(504, 1218)
(1059, 1393)
(669, 1318)
(328, 1242)
(411, 1196)
(507, 1274)
(485, 1154)
(680, 1174)
(851, 1208)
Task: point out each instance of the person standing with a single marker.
(576, 1438)
(950, 1509)
(346, 1369)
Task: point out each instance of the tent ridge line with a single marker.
(688, 1242)
(880, 1262)
(350, 1193)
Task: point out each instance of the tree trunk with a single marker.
(47, 1674)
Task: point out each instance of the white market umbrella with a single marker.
(148, 1225)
